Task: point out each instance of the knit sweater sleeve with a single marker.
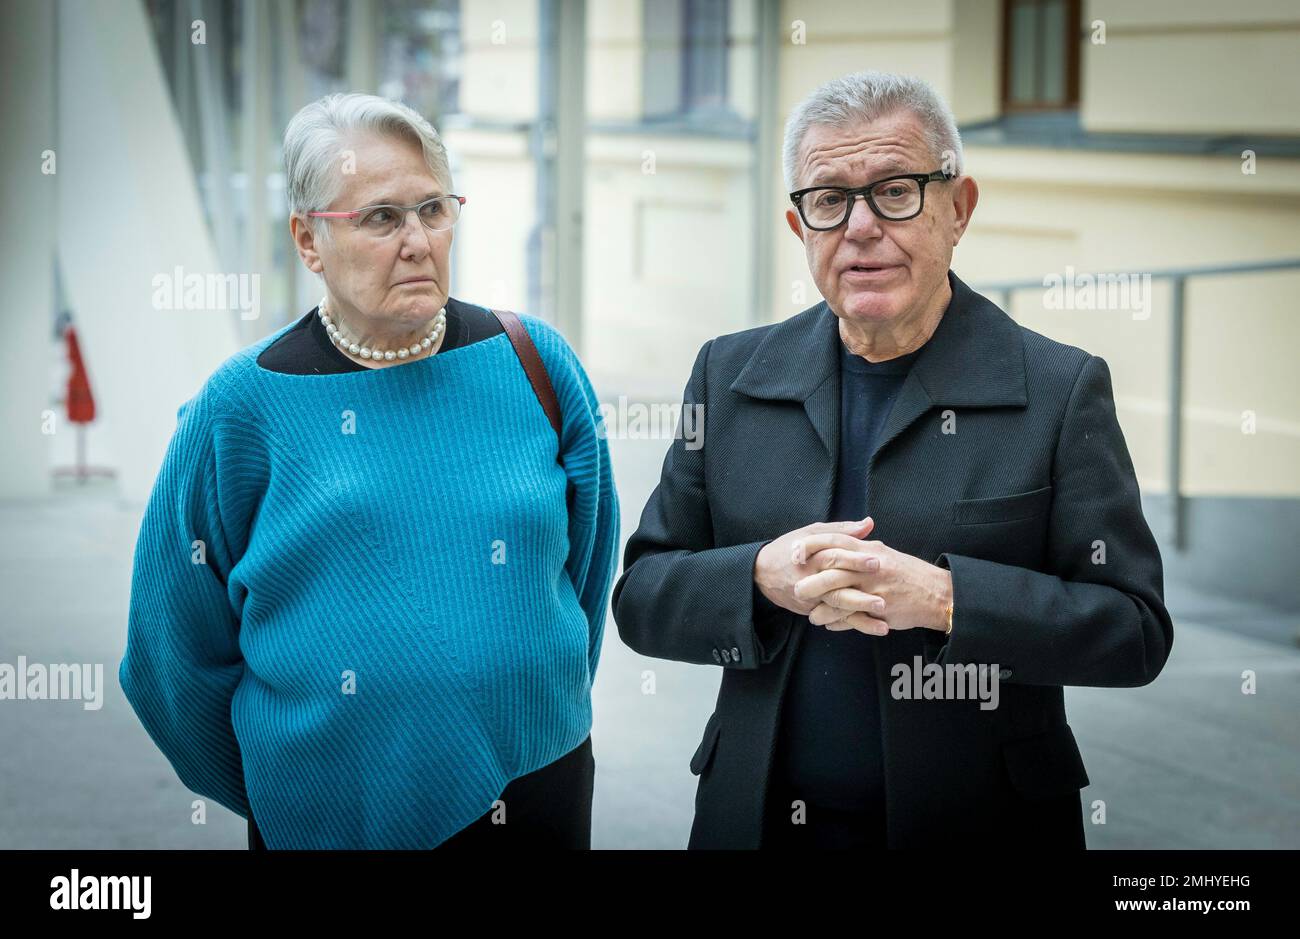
(593, 508)
(183, 661)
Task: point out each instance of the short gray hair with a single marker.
(867, 96)
(315, 138)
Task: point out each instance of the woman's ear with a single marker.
(304, 239)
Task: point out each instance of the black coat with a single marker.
(1018, 503)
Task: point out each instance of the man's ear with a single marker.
(792, 219)
(964, 196)
(304, 239)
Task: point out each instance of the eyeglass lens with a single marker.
(436, 214)
(894, 198)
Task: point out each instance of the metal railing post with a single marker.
(1177, 332)
(1177, 277)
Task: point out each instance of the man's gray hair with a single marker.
(867, 96)
(315, 140)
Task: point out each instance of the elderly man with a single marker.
(896, 484)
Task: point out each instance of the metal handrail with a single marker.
(1178, 277)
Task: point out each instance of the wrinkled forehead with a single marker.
(853, 154)
(378, 169)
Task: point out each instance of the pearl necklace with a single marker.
(365, 352)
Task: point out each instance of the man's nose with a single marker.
(862, 222)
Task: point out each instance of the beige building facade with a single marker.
(1178, 148)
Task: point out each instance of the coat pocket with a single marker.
(704, 752)
(1011, 508)
(1045, 764)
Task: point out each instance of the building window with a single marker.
(421, 56)
(685, 59)
(1040, 55)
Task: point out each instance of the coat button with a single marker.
(1004, 673)
(717, 656)
(726, 656)
(735, 654)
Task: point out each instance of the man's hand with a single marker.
(777, 569)
(858, 586)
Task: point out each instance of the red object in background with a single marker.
(80, 402)
(80, 405)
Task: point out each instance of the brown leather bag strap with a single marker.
(534, 368)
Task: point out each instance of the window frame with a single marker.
(1072, 38)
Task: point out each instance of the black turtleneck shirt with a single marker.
(828, 751)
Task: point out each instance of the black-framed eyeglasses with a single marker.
(895, 199)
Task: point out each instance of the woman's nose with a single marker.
(415, 237)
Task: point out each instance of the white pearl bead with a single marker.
(336, 335)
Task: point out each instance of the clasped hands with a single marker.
(827, 572)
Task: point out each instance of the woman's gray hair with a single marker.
(867, 96)
(315, 140)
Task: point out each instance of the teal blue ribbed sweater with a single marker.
(360, 604)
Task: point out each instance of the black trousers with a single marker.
(548, 808)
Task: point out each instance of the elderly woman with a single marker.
(371, 580)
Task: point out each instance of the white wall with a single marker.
(129, 210)
(26, 62)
